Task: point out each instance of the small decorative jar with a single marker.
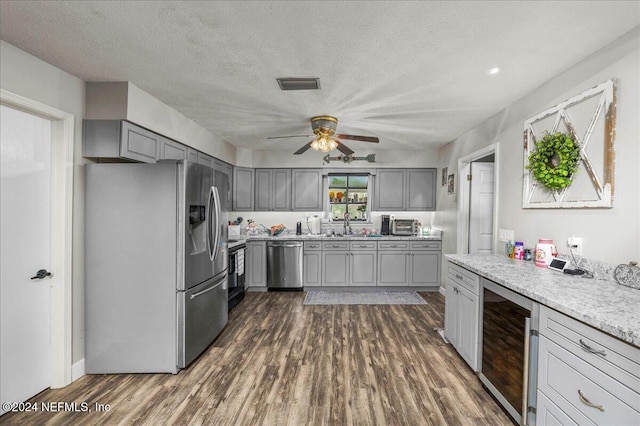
(545, 251)
(527, 254)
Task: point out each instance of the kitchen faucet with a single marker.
(347, 226)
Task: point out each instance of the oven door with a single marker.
(509, 350)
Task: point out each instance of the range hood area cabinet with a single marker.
(116, 139)
(405, 190)
(273, 190)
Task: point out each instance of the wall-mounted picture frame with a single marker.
(451, 184)
(589, 119)
(444, 176)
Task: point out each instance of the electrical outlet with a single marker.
(575, 243)
(505, 235)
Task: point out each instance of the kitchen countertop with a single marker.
(605, 305)
(264, 237)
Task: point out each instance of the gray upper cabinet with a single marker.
(421, 189)
(272, 190)
(205, 160)
(389, 189)
(306, 187)
(119, 139)
(405, 190)
(171, 150)
(243, 189)
(192, 155)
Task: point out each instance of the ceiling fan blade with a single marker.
(303, 149)
(359, 138)
(344, 149)
(284, 137)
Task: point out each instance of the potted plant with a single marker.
(363, 211)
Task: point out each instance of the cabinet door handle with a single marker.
(394, 246)
(585, 401)
(458, 276)
(591, 350)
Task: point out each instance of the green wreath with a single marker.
(555, 160)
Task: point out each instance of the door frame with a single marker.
(464, 169)
(62, 149)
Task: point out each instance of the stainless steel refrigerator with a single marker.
(155, 265)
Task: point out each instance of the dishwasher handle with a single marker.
(283, 244)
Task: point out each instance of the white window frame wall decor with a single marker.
(603, 182)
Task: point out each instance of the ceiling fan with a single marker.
(324, 128)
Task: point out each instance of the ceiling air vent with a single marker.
(293, 83)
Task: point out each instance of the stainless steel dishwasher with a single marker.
(284, 265)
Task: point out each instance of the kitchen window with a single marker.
(349, 193)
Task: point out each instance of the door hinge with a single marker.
(531, 409)
(468, 177)
(534, 332)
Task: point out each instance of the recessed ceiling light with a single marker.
(493, 71)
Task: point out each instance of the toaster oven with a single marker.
(404, 227)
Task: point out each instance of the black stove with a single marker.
(236, 271)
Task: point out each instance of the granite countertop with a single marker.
(305, 237)
(603, 304)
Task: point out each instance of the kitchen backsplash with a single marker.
(289, 219)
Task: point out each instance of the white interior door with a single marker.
(481, 208)
(25, 357)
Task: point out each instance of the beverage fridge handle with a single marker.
(525, 373)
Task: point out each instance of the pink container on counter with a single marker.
(545, 251)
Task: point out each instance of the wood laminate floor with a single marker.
(279, 362)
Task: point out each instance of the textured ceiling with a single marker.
(411, 73)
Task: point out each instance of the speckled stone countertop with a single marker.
(603, 304)
(264, 237)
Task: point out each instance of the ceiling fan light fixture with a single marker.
(324, 144)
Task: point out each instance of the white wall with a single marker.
(384, 158)
(610, 235)
(28, 76)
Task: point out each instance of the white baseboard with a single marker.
(77, 370)
(442, 291)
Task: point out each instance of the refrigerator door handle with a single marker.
(216, 202)
(210, 225)
(200, 293)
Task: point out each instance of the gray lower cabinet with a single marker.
(306, 187)
(393, 263)
(364, 258)
(312, 264)
(243, 189)
(405, 190)
(119, 139)
(584, 375)
(424, 269)
(256, 267)
(462, 313)
(335, 263)
(272, 190)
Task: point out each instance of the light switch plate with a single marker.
(505, 235)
